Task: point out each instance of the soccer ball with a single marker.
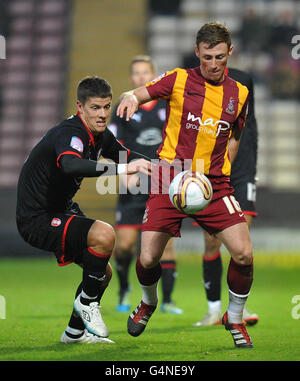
(190, 192)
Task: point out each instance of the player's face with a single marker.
(95, 112)
(141, 73)
(213, 61)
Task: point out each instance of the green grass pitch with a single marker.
(39, 297)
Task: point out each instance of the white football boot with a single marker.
(210, 318)
(91, 317)
(87, 337)
(249, 318)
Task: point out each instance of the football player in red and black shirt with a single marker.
(48, 219)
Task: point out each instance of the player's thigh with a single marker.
(249, 220)
(236, 238)
(126, 238)
(169, 252)
(211, 244)
(153, 244)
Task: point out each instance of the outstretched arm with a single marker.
(74, 166)
(130, 101)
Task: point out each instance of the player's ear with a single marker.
(197, 52)
(79, 107)
(230, 50)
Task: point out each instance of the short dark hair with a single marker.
(213, 33)
(93, 87)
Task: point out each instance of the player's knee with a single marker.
(244, 256)
(147, 262)
(102, 237)
(124, 245)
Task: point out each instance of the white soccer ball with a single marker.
(190, 192)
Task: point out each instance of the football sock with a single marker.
(168, 275)
(236, 307)
(214, 307)
(239, 280)
(212, 274)
(148, 279)
(239, 277)
(94, 270)
(122, 266)
(150, 294)
(86, 299)
(75, 322)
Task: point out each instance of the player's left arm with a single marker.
(234, 143)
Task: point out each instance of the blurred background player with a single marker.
(243, 181)
(143, 133)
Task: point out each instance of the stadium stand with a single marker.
(32, 79)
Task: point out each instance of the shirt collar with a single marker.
(92, 139)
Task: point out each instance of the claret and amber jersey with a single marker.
(200, 118)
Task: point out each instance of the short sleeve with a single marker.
(162, 86)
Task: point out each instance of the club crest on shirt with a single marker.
(230, 108)
(55, 222)
(76, 143)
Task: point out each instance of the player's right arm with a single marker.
(130, 101)
(159, 88)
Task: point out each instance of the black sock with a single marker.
(212, 273)
(94, 270)
(122, 266)
(75, 321)
(168, 276)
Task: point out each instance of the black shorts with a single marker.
(130, 212)
(245, 194)
(64, 234)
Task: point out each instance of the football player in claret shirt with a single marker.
(48, 219)
(242, 179)
(206, 112)
(143, 133)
